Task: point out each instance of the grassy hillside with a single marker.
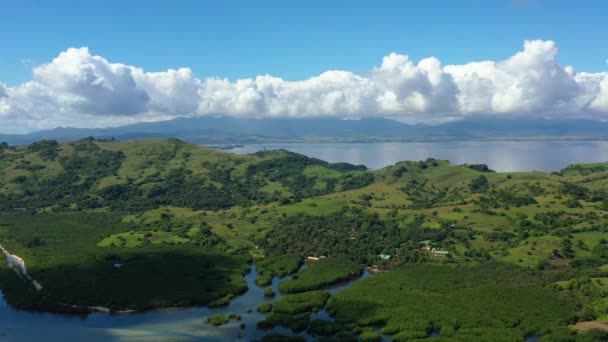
(71, 210)
(140, 175)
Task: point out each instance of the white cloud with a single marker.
(172, 91)
(4, 109)
(80, 89)
(405, 88)
(531, 81)
(90, 84)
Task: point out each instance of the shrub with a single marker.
(301, 302)
(217, 320)
(264, 307)
(370, 336)
(324, 328)
(269, 292)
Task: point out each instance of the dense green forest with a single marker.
(463, 253)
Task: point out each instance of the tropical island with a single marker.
(459, 252)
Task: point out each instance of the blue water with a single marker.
(502, 156)
(184, 324)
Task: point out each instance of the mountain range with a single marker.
(232, 130)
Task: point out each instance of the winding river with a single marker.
(179, 324)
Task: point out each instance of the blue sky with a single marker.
(294, 39)
(109, 63)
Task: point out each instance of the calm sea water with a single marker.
(502, 156)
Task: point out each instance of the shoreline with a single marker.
(107, 310)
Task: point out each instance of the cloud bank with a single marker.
(80, 89)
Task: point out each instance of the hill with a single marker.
(165, 209)
(143, 174)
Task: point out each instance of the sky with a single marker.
(107, 63)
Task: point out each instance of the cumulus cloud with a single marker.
(531, 81)
(405, 87)
(78, 88)
(90, 84)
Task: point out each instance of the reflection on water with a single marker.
(502, 156)
(159, 325)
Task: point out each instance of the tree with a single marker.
(479, 184)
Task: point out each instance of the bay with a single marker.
(501, 156)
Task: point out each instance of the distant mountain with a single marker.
(224, 130)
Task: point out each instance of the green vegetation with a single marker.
(269, 293)
(144, 174)
(61, 253)
(301, 302)
(370, 336)
(106, 223)
(320, 327)
(234, 316)
(320, 274)
(349, 233)
(296, 323)
(217, 320)
(460, 301)
(292, 311)
(264, 307)
(276, 266)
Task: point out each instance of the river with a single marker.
(501, 156)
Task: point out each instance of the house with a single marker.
(384, 256)
(439, 253)
(426, 244)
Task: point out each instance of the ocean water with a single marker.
(501, 156)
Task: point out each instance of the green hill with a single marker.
(144, 174)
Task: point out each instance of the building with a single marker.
(439, 253)
(384, 256)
